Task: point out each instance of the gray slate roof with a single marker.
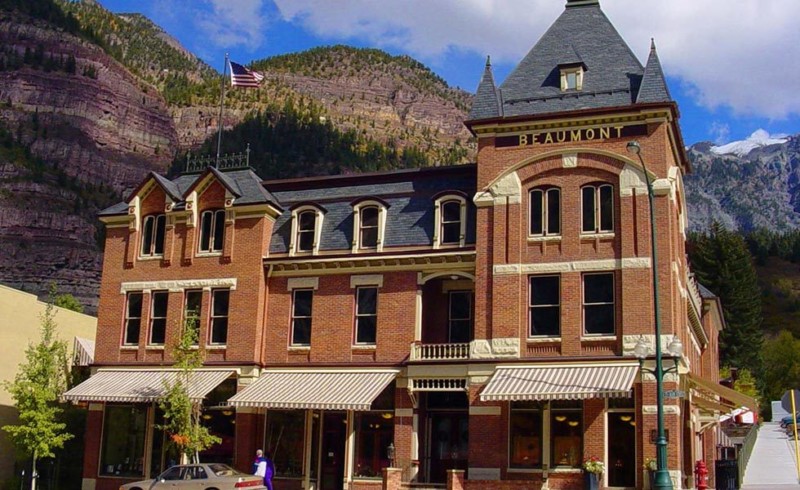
(654, 87)
(244, 184)
(581, 35)
(487, 98)
(409, 195)
(705, 293)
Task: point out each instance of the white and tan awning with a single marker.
(82, 351)
(561, 382)
(317, 390)
(142, 386)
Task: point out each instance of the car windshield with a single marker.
(223, 470)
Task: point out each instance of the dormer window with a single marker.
(306, 229)
(451, 221)
(369, 220)
(212, 231)
(572, 77)
(153, 235)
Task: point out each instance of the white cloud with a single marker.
(230, 23)
(740, 55)
(720, 132)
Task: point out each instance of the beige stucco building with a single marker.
(19, 325)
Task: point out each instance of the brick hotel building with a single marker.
(479, 318)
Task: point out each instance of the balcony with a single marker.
(439, 352)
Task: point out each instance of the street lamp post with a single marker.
(662, 480)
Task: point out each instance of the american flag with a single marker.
(243, 77)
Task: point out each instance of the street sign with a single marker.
(786, 400)
(674, 394)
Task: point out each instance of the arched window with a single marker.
(545, 212)
(451, 214)
(212, 231)
(369, 224)
(153, 228)
(597, 208)
(306, 230)
(368, 227)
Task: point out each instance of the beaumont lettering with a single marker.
(572, 136)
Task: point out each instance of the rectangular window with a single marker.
(366, 314)
(191, 311)
(133, 319)
(525, 435)
(301, 316)
(598, 304)
(374, 433)
(285, 437)
(597, 209)
(220, 299)
(545, 305)
(122, 451)
(451, 222)
(566, 433)
(369, 227)
(158, 317)
(153, 235)
(545, 212)
(212, 231)
(460, 317)
(306, 229)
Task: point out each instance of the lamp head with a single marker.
(641, 349)
(633, 147)
(675, 347)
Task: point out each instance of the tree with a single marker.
(40, 381)
(722, 263)
(781, 365)
(69, 302)
(182, 415)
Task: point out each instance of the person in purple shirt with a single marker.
(264, 467)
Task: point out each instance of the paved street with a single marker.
(772, 465)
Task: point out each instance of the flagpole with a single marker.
(221, 106)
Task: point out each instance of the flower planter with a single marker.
(591, 481)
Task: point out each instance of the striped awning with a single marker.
(141, 386)
(317, 390)
(560, 382)
(82, 351)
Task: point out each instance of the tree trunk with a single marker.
(34, 475)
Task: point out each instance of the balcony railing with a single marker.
(439, 352)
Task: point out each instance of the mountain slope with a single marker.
(745, 185)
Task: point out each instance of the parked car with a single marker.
(788, 419)
(204, 476)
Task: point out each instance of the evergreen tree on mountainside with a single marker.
(722, 263)
(296, 141)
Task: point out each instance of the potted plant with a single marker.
(593, 468)
(650, 465)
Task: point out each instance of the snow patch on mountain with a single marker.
(758, 139)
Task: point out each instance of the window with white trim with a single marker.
(306, 230)
(366, 314)
(158, 317)
(451, 219)
(598, 304)
(545, 212)
(212, 231)
(153, 229)
(220, 301)
(545, 306)
(133, 318)
(369, 226)
(193, 303)
(302, 300)
(597, 208)
(571, 78)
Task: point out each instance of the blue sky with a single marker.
(732, 66)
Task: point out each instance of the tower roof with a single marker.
(654, 87)
(487, 101)
(581, 37)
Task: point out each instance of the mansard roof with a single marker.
(581, 36)
(409, 197)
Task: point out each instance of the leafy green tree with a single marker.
(745, 382)
(69, 302)
(182, 415)
(722, 263)
(41, 379)
(781, 365)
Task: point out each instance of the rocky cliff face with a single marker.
(745, 185)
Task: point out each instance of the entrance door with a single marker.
(334, 433)
(622, 449)
(447, 443)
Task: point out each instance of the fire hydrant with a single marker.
(701, 475)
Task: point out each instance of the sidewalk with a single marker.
(772, 465)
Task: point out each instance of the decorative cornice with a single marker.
(576, 266)
(305, 266)
(178, 284)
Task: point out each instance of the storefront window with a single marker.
(374, 433)
(566, 433)
(525, 435)
(285, 440)
(124, 429)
